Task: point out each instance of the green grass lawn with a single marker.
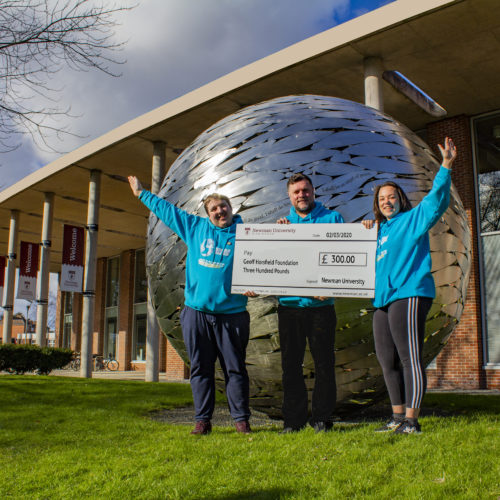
(68, 438)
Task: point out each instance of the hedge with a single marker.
(32, 358)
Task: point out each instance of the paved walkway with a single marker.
(117, 375)
(478, 392)
(136, 375)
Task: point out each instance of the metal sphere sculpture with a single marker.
(346, 148)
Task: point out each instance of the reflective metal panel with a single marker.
(347, 148)
(382, 164)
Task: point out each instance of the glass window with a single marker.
(113, 282)
(487, 137)
(111, 313)
(68, 302)
(140, 281)
(67, 319)
(67, 327)
(140, 307)
(140, 330)
(110, 336)
(489, 201)
(491, 259)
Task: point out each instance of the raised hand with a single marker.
(135, 185)
(448, 152)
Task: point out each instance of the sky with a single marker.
(173, 47)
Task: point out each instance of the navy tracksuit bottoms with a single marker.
(211, 336)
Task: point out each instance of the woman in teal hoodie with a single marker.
(404, 289)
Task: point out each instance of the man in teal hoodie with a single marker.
(307, 318)
(215, 323)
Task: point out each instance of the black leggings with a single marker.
(398, 330)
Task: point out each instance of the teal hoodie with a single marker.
(209, 261)
(319, 214)
(403, 259)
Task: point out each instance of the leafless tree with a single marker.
(37, 39)
(489, 195)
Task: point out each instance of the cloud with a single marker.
(173, 47)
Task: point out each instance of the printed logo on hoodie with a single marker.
(207, 247)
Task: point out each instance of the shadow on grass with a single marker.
(443, 405)
(264, 494)
(433, 405)
(459, 403)
(171, 403)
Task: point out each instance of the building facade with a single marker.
(120, 320)
(447, 47)
(471, 358)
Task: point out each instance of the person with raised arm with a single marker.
(404, 289)
(215, 323)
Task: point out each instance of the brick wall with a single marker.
(492, 379)
(18, 327)
(162, 363)
(170, 362)
(176, 368)
(460, 363)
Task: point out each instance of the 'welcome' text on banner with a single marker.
(72, 261)
(28, 269)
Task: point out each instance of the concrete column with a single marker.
(373, 83)
(90, 273)
(8, 302)
(42, 292)
(153, 332)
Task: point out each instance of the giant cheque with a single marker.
(330, 260)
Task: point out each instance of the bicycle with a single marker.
(76, 362)
(102, 363)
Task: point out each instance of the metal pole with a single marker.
(90, 273)
(8, 304)
(373, 83)
(42, 292)
(153, 331)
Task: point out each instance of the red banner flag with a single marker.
(28, 269)
(72, 262)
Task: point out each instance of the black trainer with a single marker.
(408, 428)
(391, 425)
(290, 430)
(322, 426)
